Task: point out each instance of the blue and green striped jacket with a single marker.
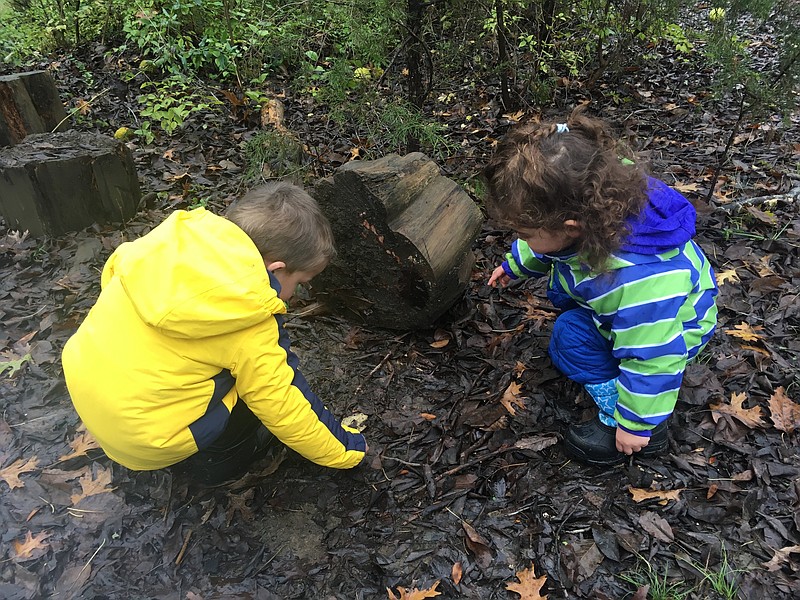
(656, 305)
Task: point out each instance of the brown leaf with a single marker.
(765, 217)
(80, 445)
(457, 572)
(414, 594)
(479, 545)
(640, 495)
(656, 526)
(12, 472)
(725, 276)
(536, 442)
(31, 543)
(781, 556)
(440, 343)
(511, 397)
(91, 486)
(529, 585)
(746, 332)
(784, 412)
(750, 417)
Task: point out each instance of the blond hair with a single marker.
(286, 224)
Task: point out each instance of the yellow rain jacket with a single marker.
(188, 323)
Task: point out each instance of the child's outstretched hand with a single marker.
(500, 276)
(628, 443)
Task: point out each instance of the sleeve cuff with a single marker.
(641, 433)
(508, 271)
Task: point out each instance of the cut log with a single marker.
(59, 182)
(404, 235)
(29, 103)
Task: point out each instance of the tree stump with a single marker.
(29, 103)
(404, 234)
(59, 182)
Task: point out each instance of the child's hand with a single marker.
(628, 443)
(500, 276)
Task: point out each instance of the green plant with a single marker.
(169, 104)
(273, 154)
(723, 580)
(661, 586)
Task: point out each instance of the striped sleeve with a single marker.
(522, 262)
(657, 317)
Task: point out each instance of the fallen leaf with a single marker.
(357, 421)
(656, 526)
(13, 364)
(414, 594)
(726, 276)
(511, 397)
(750, 417)
(784, 412)
(640, 495)
(686, 187)
(519, 368)
(82, 106)
(82, 443)
(440, 343)
(529, 585)
(479, 545)
(12, 472)
(641, 593)
(781, 556)
(31, 543)
(91, 486)
(536, 443)
(427, 416)
(457, 572)
(765, 217)
(746, 332)
(515, 117)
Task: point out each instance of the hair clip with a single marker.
(562, 128)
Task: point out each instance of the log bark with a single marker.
(404, 235)
(54, 183)
(29, 103)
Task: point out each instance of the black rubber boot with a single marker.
(594, 443)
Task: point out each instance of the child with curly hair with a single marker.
(637, 294)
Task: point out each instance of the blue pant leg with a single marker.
(579, 351)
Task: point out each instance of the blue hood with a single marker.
(666, 221)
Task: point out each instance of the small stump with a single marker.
(54, 183)
(404, 235)
(29, 103)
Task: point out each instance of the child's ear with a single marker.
(573, 228)
(274, 266)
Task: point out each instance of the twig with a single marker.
(77, 108)
(474, 462)
(179, 558)
(87, 563)
(790, 196)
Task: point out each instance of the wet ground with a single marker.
(466, 482)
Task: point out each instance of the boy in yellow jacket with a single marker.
(184, 357)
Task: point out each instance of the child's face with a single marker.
(289, 280)
(546, 241)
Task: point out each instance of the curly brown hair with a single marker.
(540, 177)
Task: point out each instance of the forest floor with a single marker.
(466, 483)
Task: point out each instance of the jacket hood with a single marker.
(667, 221)
(195, 275)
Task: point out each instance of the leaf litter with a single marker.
(464, 421)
